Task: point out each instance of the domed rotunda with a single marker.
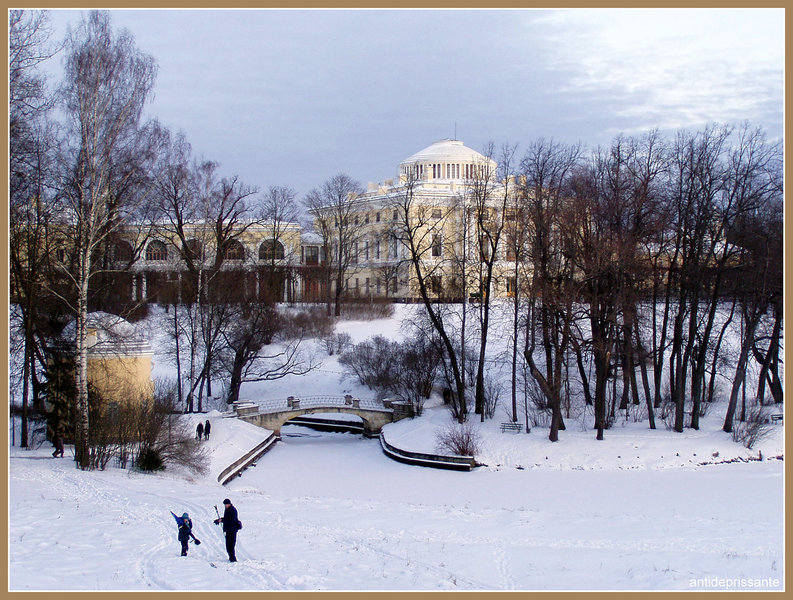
(448, 160)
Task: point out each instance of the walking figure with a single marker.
(231, 524)
(207, 427)
(199, 431)
(58, 446)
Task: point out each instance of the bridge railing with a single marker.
(282, 404)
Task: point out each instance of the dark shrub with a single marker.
(149, 459)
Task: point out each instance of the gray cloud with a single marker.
(287, 97)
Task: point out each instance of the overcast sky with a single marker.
(293, 97)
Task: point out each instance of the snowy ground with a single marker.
(329, 511)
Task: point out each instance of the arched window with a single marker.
(234, 251)
(122, 252)
(156, 251)
(271, 249)
(194, 249)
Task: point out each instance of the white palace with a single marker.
(441, 180)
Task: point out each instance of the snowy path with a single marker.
(331, 512)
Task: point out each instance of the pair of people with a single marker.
(231, 525)
(203, 429)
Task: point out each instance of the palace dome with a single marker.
(446, 151)
(446, 161)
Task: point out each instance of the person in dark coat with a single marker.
(58, 446)
(207, 428)
(231, 524)
(185, 531)
(199, 431)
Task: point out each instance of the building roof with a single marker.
(110, 334)
(449, 151)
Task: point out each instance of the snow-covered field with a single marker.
(329, 511)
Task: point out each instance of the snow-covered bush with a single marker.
(336, 343)
(492, 392)
(406, 370)
(307, 322)
(367, 309)
(169, 434)
(754, 428)
(372, 362)
(458, 438)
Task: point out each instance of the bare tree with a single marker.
(30, 177)
(106, 154)
(334, 206)
(258, 346)
(545, 171)
(204, 216)
(753, 171)
(279, 212)
(490, 196)
(416, 229)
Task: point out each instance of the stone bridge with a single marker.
(273, 414)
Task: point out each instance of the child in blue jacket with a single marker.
(185, 526)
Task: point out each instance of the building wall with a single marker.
(122, 378)
(442, 174)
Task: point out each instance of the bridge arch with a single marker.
(273, 415)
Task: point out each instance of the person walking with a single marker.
(185, 526)
(207, 428)
(58, 446)
(199, 431)
(231, 524)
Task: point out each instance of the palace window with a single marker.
(484, 248)
(234, 251)
(311, 254)
(122, 252)
(436, 284)
(194, 249)
(156, 251)
(437, 245)
(271, 249)
(437, 213)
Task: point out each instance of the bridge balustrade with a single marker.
(283, 404)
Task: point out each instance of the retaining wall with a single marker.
(238, 466)
(437, 461)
